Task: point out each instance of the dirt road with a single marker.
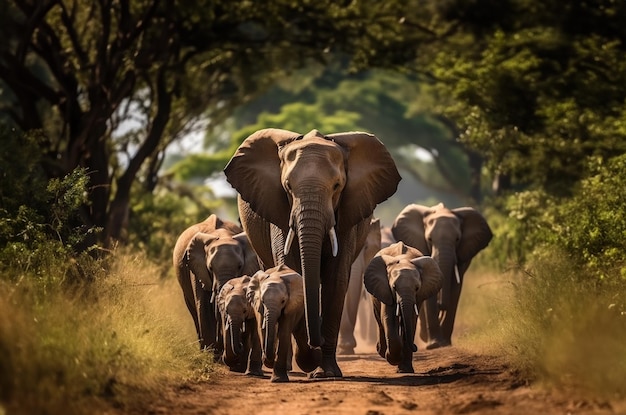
(446, 381)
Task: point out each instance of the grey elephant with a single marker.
(206, 255)
(354, 296)
(277, 296)
(306, 201)
(242, 348)
(400, 278)
(452, 237)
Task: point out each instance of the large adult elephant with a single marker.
(318, 194)
(452, 237)
(356, 291)
(207, 255)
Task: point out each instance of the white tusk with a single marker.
(212, 297)
(456, 274)
(288, 241)
(397, 309)
(243, 326)
(263, 325)
(333, 240)
(417, 313)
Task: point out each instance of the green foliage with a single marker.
(537, 88)
(156, 220)
(39, 217)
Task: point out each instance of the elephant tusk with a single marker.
(263, 325)
(288, 241)
(456, 274)
(212, 300)
(243, 327)
(397, 309)
(417, 313)
(333, 240)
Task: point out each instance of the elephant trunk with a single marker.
(408, 319)
(269, 346)
(446, 259)
(311, 232)
(233, 347)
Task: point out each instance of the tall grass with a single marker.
(80, 348)
(552, 324)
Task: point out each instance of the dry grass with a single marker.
(551, 324)
(101, 344)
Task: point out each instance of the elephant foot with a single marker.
(279, 379)
(405, 368)
(279, 376)
(435, 344)
(329, 369)
(345, 350)
(255, 371)
(392, 359)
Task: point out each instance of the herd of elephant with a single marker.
(272, 289)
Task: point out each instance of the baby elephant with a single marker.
(400, 278)
(242, 348)
(277, 296)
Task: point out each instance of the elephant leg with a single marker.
(207, 321)
(253, 344)
(392, 337)
(431, 311)
(305, 356)
(447, 324)
(406, 357)
(333, 293)
(381, 343)
(283, 358)
(347, 341)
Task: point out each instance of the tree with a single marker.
(112, 82)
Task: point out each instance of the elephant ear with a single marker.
(372, 175)
(221, 297)
(409, 227)
(372, 243)
(294, 283)
(196, 257)
(253, 288)
(432, 277)
(376, 280)
(250, 259)
(254, 171)
(476, 233)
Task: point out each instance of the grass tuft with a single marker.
(553, 324)
(81, 348)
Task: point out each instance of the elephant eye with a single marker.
(336, 186)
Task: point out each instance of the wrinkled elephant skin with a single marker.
(452, 237)
(306, 201)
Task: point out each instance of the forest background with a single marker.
(117, 118)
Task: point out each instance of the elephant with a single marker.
(242, 347)
(452, 237)
(277, 296)
(317, 193)
(400, 278)
(205, 256)
(346, 340)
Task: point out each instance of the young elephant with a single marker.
(277, 296)
(400, 278)
(242, 348)
(207, 255)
